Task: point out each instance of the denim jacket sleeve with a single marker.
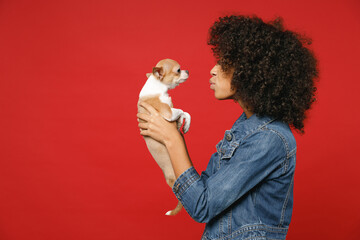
(206, 196)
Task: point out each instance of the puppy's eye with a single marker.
(178, 70)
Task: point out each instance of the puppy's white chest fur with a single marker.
(154, 87)
(165, 98)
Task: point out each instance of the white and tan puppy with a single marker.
(165, 75)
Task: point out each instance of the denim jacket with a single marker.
(246, 191)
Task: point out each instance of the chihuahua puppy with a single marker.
(165, 75)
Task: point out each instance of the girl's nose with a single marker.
(213, 71)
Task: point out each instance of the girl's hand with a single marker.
(155, 126)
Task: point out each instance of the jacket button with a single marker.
(228, 137)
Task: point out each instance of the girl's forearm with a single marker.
(178, 154)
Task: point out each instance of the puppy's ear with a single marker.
(148, 75)
(158, 72)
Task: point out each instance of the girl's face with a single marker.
(220, 82)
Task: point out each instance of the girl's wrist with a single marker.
(173, 140)
(178, 154)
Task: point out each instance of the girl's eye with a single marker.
(178, 70)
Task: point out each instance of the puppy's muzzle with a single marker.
(184, 76)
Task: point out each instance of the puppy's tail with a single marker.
(175, 211)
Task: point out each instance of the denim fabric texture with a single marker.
(246, 191)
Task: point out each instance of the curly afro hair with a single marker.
(274, 71)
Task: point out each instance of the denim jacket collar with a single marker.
(244, 126)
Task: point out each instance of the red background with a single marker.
(72, 162)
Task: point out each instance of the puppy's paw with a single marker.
(179, 122)
(187, 118)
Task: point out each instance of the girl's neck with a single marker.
(248, 113)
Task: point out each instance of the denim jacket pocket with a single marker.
(227, 146)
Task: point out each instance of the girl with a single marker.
(246, 191)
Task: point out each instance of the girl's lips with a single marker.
(212, 85)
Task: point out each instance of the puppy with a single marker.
(165, 75)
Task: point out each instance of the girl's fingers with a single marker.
(143, 132)
(143, 125)
(143, 116)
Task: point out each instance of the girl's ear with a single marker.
(158, 72)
